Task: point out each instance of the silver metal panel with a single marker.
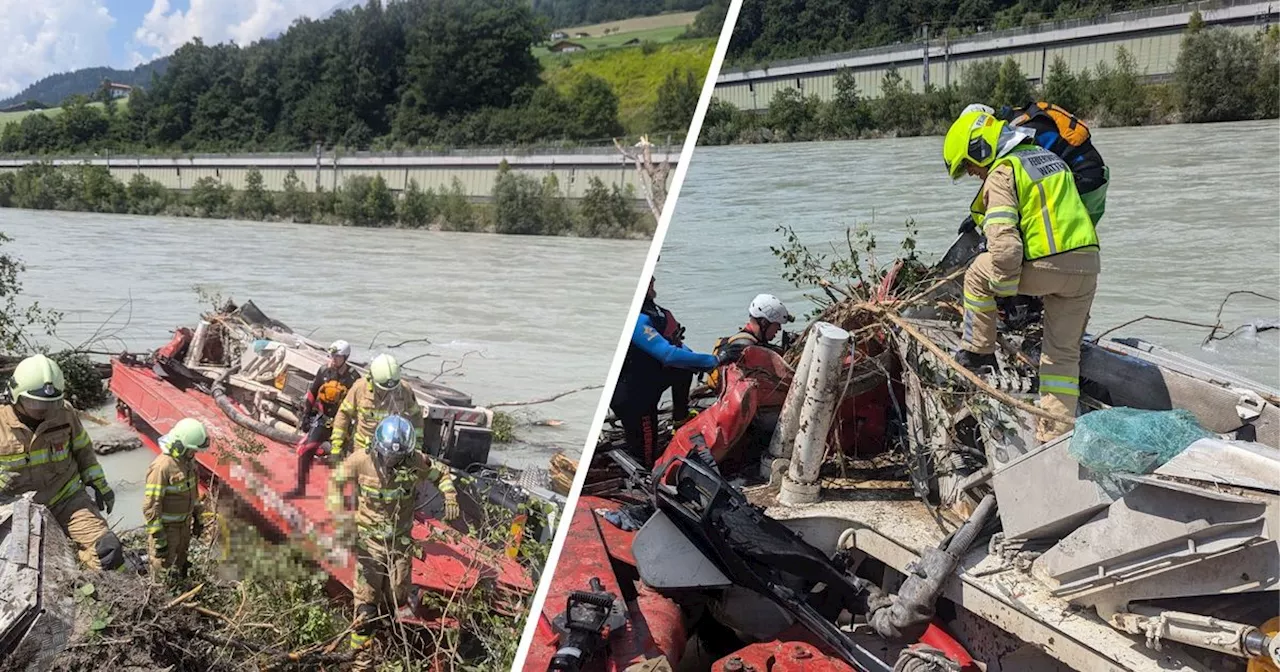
(667, 559)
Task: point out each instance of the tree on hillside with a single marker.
(597, 107)
(468, 54)
(709, 21)
(677, 101)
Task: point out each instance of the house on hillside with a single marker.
(565, 46)
(118, 90)
(559, 35)
(581, 35)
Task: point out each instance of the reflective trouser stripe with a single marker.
(1005, 287)
(175, 517)
(979, 304)
(1055, 384)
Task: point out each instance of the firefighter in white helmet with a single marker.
(765, 317)
(45, 449)
(330, 386)
(377, 395)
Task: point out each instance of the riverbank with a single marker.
(519, 204)
(1220, 76)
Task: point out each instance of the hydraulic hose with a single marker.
(906, 615)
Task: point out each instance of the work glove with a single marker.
(728, 355)
(197, 526)
(161, 544)
(104, 498)
(451, 509)
(967, 225)
(304, 420)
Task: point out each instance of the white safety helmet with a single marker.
(769, 307)
(340, 348)
(978, 107)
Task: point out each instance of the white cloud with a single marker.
(48, 36)
(164, 28)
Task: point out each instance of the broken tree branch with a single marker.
(545, 399)
(968, 375)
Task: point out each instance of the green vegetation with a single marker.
(561, 13)
(521, 204)
(777, 29)
(1221, 76)
(636, 74)
(416, 73)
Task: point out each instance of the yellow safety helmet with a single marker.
(385, 371)
(37, 377)
(188, 435)
(973, 137)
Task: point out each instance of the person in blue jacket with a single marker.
(646, 374)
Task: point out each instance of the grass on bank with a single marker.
(634, 73)
(635, 24)
(122, 105)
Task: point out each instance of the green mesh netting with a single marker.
(1133, 441)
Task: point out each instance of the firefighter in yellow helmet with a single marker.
(45, 449)
(171, 498)
(1040, 242)
(387, 474)
(378, 394)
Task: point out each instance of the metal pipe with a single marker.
(784, 434)
(821, 394)
(195, 351)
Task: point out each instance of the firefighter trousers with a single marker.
(178, 541)
(1067, 299)
(84, 524)
(382, 576)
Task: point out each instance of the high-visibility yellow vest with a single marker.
(1050, 214)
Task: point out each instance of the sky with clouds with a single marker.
(43, 37)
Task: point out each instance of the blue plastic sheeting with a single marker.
(1132, 441)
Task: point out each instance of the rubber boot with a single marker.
(975, 362)
(303, 471)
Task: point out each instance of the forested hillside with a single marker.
(54, 89)
(776, 29)
(410, 73)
